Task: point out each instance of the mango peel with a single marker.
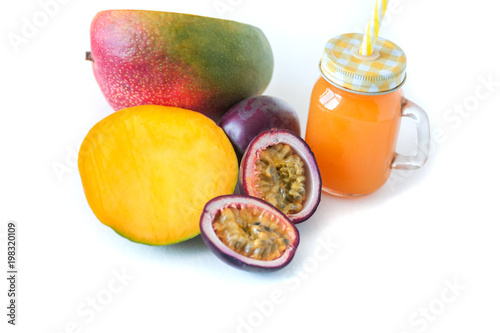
(198, 63)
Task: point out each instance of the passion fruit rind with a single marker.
(280, 168)
(248, 233)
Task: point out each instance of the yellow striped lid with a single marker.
(383, 70)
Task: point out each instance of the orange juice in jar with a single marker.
(355, 114)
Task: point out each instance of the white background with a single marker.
(373, 264)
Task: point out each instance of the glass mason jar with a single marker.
(355, 114)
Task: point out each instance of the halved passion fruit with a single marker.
(248, 233)
(280, 168)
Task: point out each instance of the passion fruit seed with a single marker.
(281, 178)
(253, 234)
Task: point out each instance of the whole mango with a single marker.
(193, 62)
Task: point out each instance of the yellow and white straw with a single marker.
(372, 28)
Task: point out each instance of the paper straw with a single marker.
(372, 28)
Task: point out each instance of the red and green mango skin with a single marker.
(193, 62)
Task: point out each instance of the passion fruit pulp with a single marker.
(280, 168)
(248, 233)
(281, 178)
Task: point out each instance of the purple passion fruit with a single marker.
(280, 168)
(248, 233)
(248, 118)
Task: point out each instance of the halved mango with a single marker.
(148, 171)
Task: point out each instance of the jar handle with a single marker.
(418, 115)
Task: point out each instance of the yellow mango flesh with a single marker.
(148, 171)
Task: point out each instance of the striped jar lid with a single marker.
(382, 71)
